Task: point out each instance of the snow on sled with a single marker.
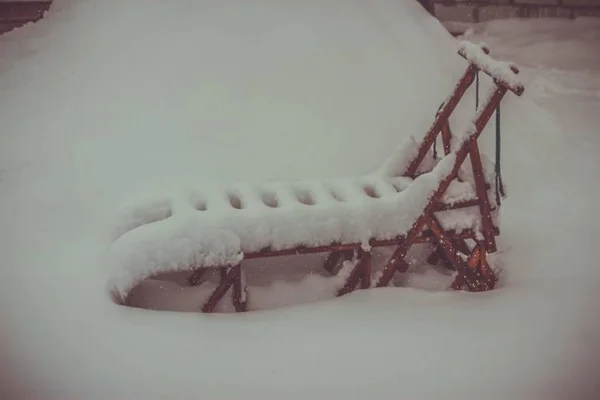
(415, 197)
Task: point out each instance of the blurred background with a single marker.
(456, 15)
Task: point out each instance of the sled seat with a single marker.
(220, 226)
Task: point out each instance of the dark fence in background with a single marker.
(474, 11)
(14, 14)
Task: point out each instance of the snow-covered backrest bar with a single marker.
(503, 72)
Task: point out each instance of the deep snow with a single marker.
(100, 99)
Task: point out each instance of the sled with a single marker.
(416, 197)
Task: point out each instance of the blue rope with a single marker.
(435, 141)
(477, 90)
(499, 188)
(497, 169)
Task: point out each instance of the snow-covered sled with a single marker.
(413, 198)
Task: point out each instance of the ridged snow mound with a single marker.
(228, 90)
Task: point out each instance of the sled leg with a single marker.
(434, 257)
(360, 274)
(334, 257)
(196, 279)
(239, 293)
(478, 268)
(365, 279)
(484, 205)
(470, 279)
(396, 263)
(228, 276)
(484, 270)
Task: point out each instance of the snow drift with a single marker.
(103, 98)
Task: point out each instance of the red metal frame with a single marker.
(472, 271)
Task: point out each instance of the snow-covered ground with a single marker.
(100, 99)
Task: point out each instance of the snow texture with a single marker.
(105, 98)
(503, 71)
